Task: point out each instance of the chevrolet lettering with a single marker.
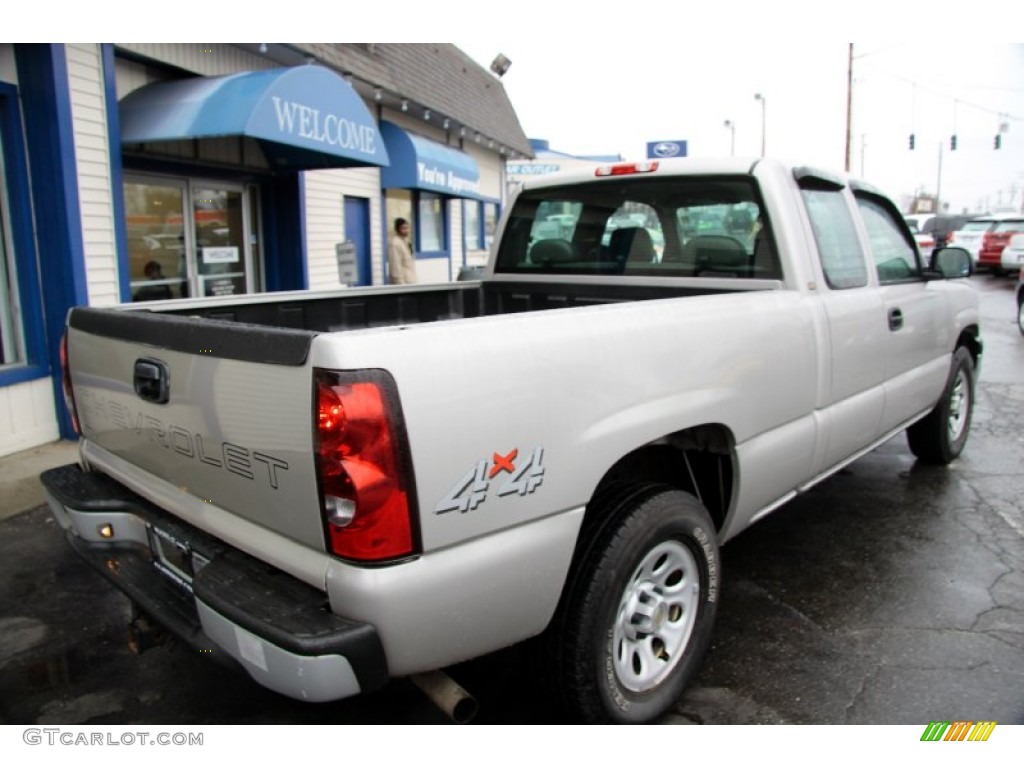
(238, 459)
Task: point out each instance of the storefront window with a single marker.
(471, 225)
(10, 337)
(11, 342)
(490, 223)
(431, 223)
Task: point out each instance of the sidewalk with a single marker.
(20, 489)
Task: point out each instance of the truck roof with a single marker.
(688, 166)
(670, 166)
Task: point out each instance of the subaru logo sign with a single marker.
(666, 149)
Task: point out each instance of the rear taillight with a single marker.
(364, 474)
(69, 395)
(626, 169)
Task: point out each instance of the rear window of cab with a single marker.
(672, 227)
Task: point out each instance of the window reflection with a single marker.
(156, 241)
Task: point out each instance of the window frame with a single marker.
(24, 286)
(488, 212)
(444, 250)
(811, 184)
(886, 208)
(475, 226)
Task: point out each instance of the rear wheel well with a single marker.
(698, 460)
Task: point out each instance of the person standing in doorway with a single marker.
(401, 264)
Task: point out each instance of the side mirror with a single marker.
(951, 263)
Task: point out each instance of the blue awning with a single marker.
(419, 163)
(303, 117)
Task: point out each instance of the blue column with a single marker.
(46, 101)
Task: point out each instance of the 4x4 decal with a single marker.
(471, 491)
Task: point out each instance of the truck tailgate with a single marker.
(223, 411)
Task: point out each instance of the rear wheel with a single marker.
(637, 614)
(940, 436)
(1020, 313)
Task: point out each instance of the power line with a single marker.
(1002, 114)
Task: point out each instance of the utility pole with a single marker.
(764, 112)
(938, 184)
(849, 105)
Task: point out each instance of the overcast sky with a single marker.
(606, 78)
(612, 97)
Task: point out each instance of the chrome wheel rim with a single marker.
(656, 616)
(959, 405)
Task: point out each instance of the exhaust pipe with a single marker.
(450, 697)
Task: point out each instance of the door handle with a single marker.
(895, 319)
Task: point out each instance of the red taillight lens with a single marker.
(364, 479)
(69, 395)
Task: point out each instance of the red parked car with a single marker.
(997, 237)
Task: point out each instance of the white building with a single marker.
(133, 172)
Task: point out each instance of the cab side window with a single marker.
(842, 259)
(895, 258)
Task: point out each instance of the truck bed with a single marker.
(380, 307)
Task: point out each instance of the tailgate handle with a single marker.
(152, 380)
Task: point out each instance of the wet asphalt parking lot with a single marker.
(892, 593)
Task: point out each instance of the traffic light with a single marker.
(998, 142)
(912, 141)
(952, 142)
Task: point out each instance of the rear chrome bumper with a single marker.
(219, 600)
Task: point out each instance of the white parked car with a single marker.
(1013, 254)
(971, 235)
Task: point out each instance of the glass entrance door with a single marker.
(189, 239)
(157, 248)
(222, 256)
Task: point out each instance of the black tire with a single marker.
(1020, 314)
(940, 436)
(637, 614)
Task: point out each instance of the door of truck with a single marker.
(918, 340)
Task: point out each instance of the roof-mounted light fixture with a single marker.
(500, 64)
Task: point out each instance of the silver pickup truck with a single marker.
(334, 489)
